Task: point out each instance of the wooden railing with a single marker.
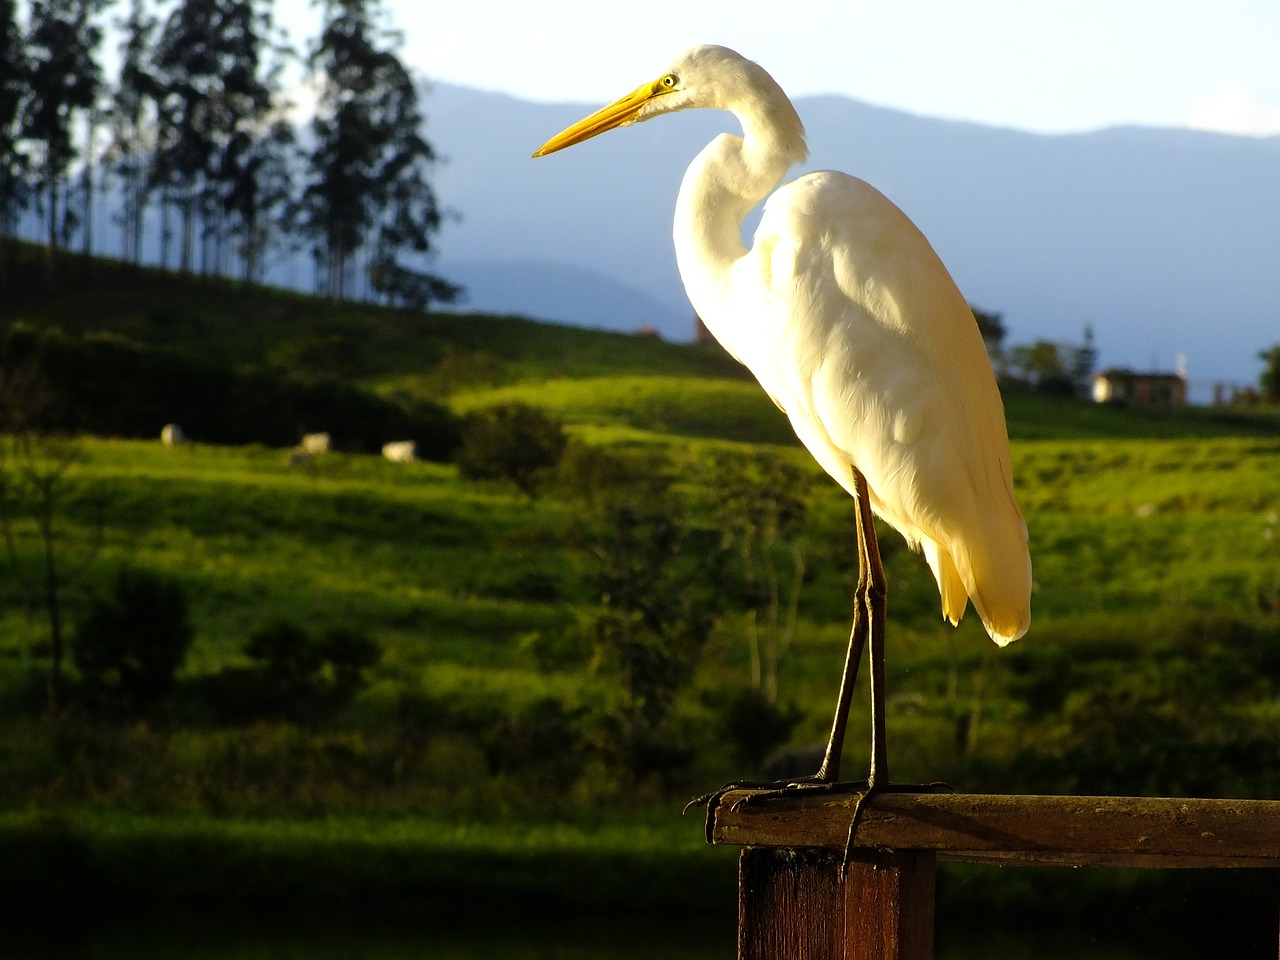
(800, 900)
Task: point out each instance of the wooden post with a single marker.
(1010, 830)
(794, 904)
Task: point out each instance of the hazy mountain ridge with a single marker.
(1166, 241)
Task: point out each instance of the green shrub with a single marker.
(294, 675)
(107, 386)
(595, 475)
(514, 441)
(128, 646)
(754, 727)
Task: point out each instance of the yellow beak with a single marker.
(617, 114)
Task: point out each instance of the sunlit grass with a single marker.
(1154, 535)
(675, 406)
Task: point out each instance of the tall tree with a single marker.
(259, 197)
(189, 78)
(13, 87)
(220, 153)
(62, 41)
(85, 184)
(254, 177)
(368, 191)
(132, 124)
(1269, 380)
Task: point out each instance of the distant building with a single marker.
(1140, 389)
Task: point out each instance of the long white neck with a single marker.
(725, 182)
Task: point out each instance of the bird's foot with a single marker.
(871, 789)
(766, 790)
(769, 790)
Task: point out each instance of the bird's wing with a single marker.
(867, 343)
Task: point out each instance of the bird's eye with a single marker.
(669, 81)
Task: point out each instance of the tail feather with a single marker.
(955, 598)
(1000, 587)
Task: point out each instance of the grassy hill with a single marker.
(1153, 664)
(1133, 514)
(589, 377)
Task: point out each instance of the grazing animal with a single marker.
(400, 451)
(315, 443)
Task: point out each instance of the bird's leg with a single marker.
(829, 771)
(870, 585)
(869, 607)
(869, 614)
(874, 598)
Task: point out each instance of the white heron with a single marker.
(851, 323)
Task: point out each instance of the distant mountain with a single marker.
(566, 294)
(1167, 242)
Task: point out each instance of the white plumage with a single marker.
(851, 323)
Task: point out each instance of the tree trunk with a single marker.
(53, 604)
(188, 228)
(51, 236)
(86, 249)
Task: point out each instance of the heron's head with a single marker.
(705, 76)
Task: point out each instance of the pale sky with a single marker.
(1049, 66)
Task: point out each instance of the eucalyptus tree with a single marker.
(260, 196)
(13, 87)
(189, 74)
(132, 124)
(65, 79)
(254, 176)
(367, 192)
(213, 105)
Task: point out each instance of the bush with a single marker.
(513, 442)
(753, 727)
(107, 386)
(128, 646)
(294, 675)
(596, 476)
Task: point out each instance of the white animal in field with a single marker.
(400, 451)
(315, 443)
(171, 435)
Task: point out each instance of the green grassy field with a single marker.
(1145, 537)
(1152, 665)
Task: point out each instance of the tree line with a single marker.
(195, 137)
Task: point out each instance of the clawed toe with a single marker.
(767, 790)
(754, 791)
(702, 801)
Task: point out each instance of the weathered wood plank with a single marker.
(1034, 830)
(797, 904)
